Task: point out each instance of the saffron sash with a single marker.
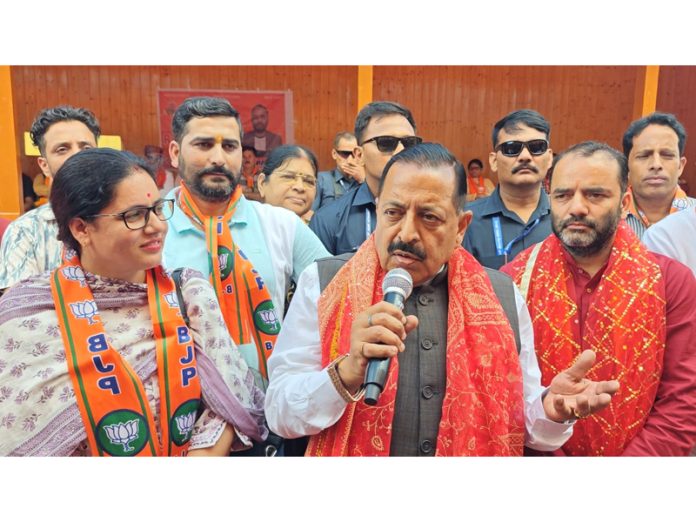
(625, 326)
(680, 202)
(112, 401)
(482, 412)
(244, 299)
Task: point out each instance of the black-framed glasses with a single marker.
(138, 217)
(345, 154)
(389, 143)
(514, 148)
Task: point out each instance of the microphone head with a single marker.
(398, 280)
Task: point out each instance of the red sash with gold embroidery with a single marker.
(111, 398)
(244, 299)
(482, 412)
(625, 326)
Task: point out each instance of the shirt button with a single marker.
(588, 290)
(423, 299)
(426, 446)
(426, 344)
(427, 392)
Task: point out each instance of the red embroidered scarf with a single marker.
(482, 412)
(625, 326)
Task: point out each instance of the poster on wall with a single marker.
(266, 116)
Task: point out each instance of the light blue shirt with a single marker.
(274, 239)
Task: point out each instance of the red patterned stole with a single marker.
(482, 412)
(625, 326)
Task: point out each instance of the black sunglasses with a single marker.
(389, 143)
(345, 154)
(514, 148)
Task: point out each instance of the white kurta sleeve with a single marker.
(300, 399)
(542, 434)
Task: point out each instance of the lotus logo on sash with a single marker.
(123, 433)
(266, 319)
(184, 423)
(84, 310)
(172, 300)
(74, 273)
(225, 261)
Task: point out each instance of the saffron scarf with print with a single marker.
(680, 202)
(110, 396)
(244, 299)
(625, 326)
(482, 412)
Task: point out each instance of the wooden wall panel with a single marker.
(124, 98)
(458, 105)
(675, 94)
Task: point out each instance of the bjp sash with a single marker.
(680, 202)
(625, 326)
(482, 411)
(244, 299)
(110, 395)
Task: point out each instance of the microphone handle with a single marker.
(377, 369)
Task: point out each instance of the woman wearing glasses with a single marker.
(95, 356)
(289, 179)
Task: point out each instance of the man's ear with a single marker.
(626, 200)
(464, 220)
(174, 152)
(43, 165)
(493, 161)
(358, 155)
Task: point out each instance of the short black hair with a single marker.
(513, 120)
(474, 161)
(249, 147)
(431, 155)
(85, 184)
(281, 154)
(656, 118)
(202, 107)
(48, 117)
(342, 135)
(587, 149)
(379, 108)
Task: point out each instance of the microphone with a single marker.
(396, 287)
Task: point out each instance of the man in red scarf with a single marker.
(456, 384)
(593, 285)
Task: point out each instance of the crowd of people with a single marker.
(188, 302)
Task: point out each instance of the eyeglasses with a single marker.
(291, 177)
(345, 154)
(514, 148)
(389, 143)
(137, 218)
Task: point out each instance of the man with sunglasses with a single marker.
(517, 213)
(382, 129)
(348, 174)
(30, 245)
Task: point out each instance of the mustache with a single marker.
(216, 170)
(578, 221)
(527, 166)
(408, 249)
